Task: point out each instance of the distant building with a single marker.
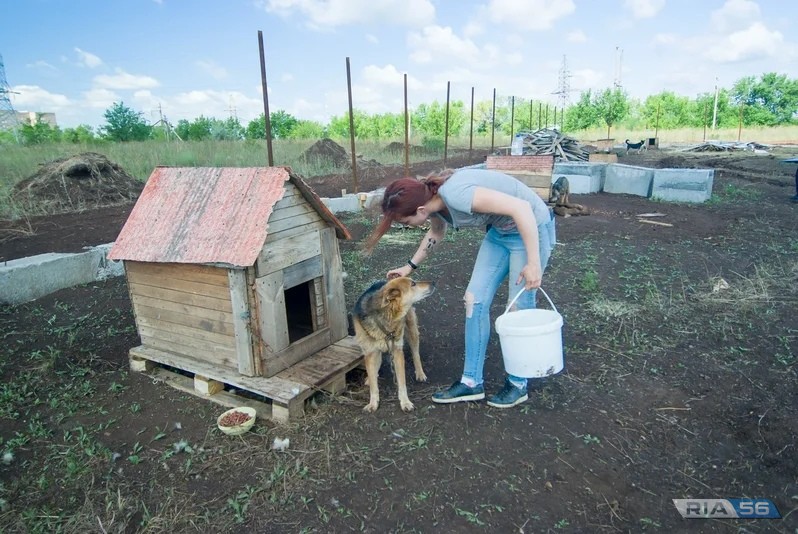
(34, 117)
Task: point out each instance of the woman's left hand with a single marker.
(532, 276)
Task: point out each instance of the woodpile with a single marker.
(725, 146)
(551, 141)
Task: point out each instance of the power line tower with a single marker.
(563, 91)
(618, 67)
(8, 116)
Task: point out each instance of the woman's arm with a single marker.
(498, 203)
(435, 234)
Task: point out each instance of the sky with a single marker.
(180, 59)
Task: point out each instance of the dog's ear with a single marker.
(392, 294)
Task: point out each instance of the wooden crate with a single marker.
(534, 171)
(283, 395)
(603, 158)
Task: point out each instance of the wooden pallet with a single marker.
(287, 390)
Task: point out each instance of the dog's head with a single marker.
(402, 292)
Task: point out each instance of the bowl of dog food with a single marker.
(236, 421)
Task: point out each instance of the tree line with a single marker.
(768, 100)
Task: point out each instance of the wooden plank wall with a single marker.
(534, 171)
(184, 309)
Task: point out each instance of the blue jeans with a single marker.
(499, 255)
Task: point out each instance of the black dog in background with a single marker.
(636, 146)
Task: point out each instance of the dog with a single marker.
(381, 317)
(636, 146)
(560, 193)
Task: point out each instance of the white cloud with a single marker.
(124, 80)
(212, 69)
(388, 76)
(529, 14)
(100, 98)
(42, 66)
(665, 39)
(332, 13)
(35, 98)
(645, 9)
(87, 59)
(372, 38)
(443, 42)
(757, 41)
(473, 29)
(584, 79)
(576, 36)
(287, 77)
(734, 15)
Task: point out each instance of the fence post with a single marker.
(471, 133)
(407, 134)
(446, 127)
(267, 117)
(493, 122)
(512, 118)
(351, 126)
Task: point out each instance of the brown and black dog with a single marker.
(382, 316)
(560, 193)
(636, 146)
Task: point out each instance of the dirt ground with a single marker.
(681, 370)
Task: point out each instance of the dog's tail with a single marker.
(627, 141)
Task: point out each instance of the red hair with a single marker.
(402, 198)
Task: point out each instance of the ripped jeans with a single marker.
(499, 255)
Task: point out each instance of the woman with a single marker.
(518, 242)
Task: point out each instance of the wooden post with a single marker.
(264, 87)
(471, 133)
(547, 115)
(493, 121)
(512, 118)
(740, 128)
(351, 126)
(446, 126)
(656, 126)
(705, 122)
(555, 117)
(407, 134)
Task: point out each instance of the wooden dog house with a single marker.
(534, 170)
(235, 278)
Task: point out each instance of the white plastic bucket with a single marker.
(531, 340)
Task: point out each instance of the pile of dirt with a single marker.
(328, 150)
(75, 183)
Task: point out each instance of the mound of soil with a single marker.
(83, 181)
(327, 149)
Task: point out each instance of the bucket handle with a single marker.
(524, 289)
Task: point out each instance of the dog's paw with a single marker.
(406, 405)
(371, 407)
(420, 376)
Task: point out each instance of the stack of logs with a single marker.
(552, 141)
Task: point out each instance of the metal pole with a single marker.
(265, 89)
(530, 114)
(471, 133)
(540, 111)
(715, 107)
(547, 115)
(351, 126)
(446, 126)
(705, 121)
(493, 121)
(554, 124)
(407, 134)
(512, 118)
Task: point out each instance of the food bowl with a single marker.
(230, 418)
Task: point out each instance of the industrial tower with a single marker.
(563, 91)
(8, 117)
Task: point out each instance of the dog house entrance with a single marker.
(299, 311)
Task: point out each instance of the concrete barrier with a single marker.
(628, 179)
(27, 279)
(580, 184)
(682, 185)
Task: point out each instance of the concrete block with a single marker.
(581, 184)
(628, 179)
(682, 185)
(596, 171)
(346, 203)
(27, 279)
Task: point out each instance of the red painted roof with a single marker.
(208, 215)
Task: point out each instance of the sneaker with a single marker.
(508, 397)
(459, 392)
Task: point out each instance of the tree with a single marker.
(281, 123)
(82, 133)
(307, 130)
(227, 130)
(124, 124)
(666, 110)
(612, 106)
(768, 101)
(584, 114)
(39, 133)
